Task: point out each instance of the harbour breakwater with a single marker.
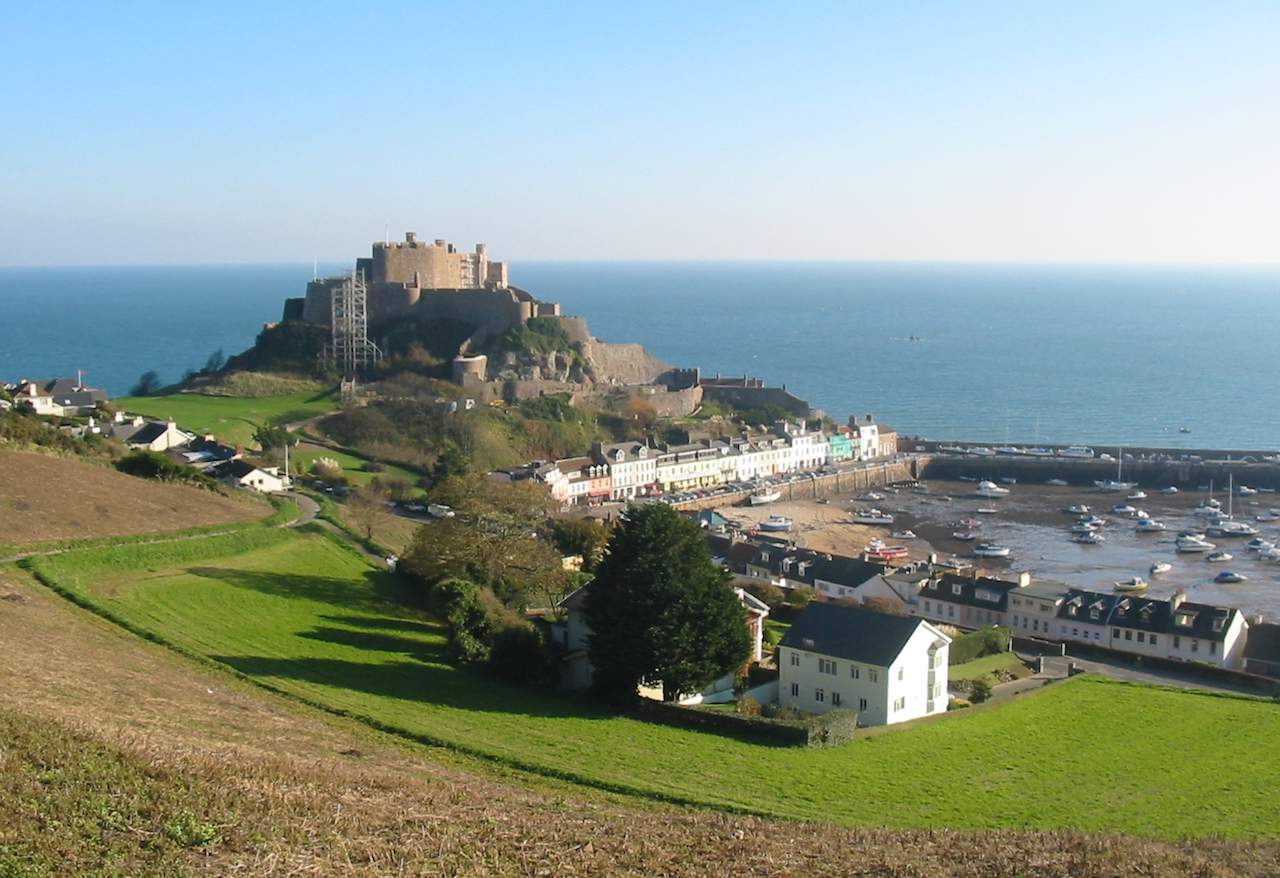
(1146, 471)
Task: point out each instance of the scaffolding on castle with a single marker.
(350, 349)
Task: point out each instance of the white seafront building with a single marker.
(625, 470)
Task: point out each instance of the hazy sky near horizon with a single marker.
(1062, 132)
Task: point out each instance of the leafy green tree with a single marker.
(217, 360)
(660, 610)
(581, 536)
(148, 384)
(270, 438)
(451, 462)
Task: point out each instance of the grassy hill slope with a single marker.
(232, 419)
(308, 617)
(44, 499)
(115, 749)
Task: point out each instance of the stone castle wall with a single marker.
(626, 363)
(756, 397)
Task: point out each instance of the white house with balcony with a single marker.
(889, 669)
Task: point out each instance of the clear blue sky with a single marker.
(1069, 131)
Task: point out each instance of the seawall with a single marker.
(1181, 474)
(847, 480)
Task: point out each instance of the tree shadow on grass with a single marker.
(389, 624)
(373, 591)
(413, 681)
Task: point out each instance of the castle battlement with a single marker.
(434, 281)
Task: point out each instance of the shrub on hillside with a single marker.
(152, 465)
(770, 594)
(458, 603)
(518, 655)
(976, 644)
(980, 691)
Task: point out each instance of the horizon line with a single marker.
(1004, 263)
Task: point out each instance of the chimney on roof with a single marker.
(1024, 579)
(410, 237)
(1179, 597)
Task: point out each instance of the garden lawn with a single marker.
(306, 615)
(232, 419)
(301, 459)
(987, 665)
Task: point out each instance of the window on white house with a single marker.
(1195, 646)
(899, 674)
(1177, 642)
(795, 690)
(1142, 638)
(795, 659)
(862, 704)
(819, 695)
(1153, 640)
(853, 672)
(835, 699)
(1213, 647)
(873, 676)
(826, 666)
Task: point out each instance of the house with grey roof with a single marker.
(887, 668)
(1179, 629)
(58, 396)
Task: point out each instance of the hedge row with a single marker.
(976, 644)
(831, 729)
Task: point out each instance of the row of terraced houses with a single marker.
(626, 470)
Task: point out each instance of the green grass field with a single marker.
(305, 615)
(232, 419)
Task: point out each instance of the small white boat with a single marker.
(874, 496)
(965, 536)
(1149, 526)
(1009, 449)
(1219, 557)
(1092, 538)
(1123, 509)
(764, 497)
(986, 510)
(1083, 527)
(1229, 576)
(776, 523)
(1169, 490)
(1258, 544)
(1060, 483)
(1010, 480)
(1137, 495)
(991, 550)
(1078, 509)
(1269, 515)
(1245, 491)
(981, 451)
(1113, 485)
(1229, 528)
(991, 489)
(1132, 584)
(872, 516)
(1092, 520)
(1190, 544)
(1081, 451)
(1039, 451)
(903, 535)
(1160, 567)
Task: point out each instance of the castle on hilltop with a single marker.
(435, 281)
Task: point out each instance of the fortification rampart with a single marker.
(752, 397)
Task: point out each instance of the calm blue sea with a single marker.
(1066, 354)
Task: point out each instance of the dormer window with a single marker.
(764, 556)
(1182, 618)
(1093, 614)
(956, 588)
(1071, 611)
(1217, 624)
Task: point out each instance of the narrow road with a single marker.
(309, 512)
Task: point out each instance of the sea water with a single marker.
(1099, 355)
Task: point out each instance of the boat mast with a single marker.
(1231, 492)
